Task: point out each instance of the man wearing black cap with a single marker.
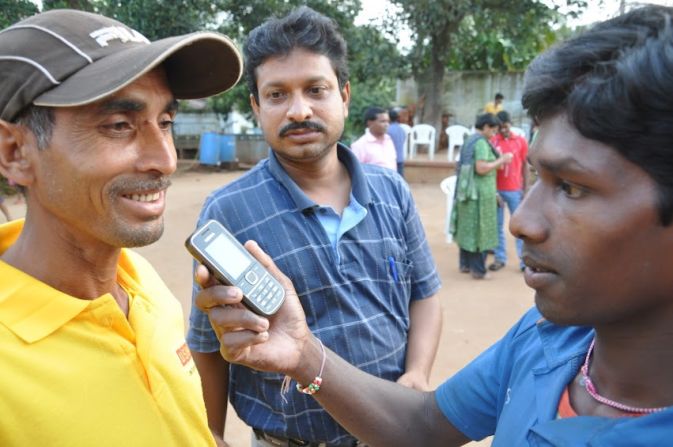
(92, 347)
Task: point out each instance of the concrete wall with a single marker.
(187, 123)
(191, 123)
(466, 92)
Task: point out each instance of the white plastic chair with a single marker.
(422, 134)
(448, 187)
(517, 130)
(456, 134)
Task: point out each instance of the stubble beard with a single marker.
(138, 235)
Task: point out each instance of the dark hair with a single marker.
(372, 113)
(487, 119)
(615, 84)
(394, 115)
(503, 117)
(302, 28)
(499, 96)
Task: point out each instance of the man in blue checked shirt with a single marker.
(347, 234)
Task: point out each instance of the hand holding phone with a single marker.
(231, 264)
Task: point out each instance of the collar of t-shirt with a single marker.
(359, 186)
(336, 226)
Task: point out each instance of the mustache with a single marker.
(139, 185)
(308, 125)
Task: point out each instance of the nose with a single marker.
(156, 150)
(299, 109)
(528, 222)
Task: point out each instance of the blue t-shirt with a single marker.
(399, 136)
(336, 225)
(357, 303)
(512, 391)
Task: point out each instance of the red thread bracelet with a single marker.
(314, 386)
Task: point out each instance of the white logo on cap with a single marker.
(104, 35)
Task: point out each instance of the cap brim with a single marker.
(197, 65)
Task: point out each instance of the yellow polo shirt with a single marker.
(492, 108)
(77, 372)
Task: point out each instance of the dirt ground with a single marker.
(476, 313)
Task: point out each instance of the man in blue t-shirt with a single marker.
(592, 363)
(399, 136)
(348, 235)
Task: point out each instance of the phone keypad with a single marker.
(267, 295)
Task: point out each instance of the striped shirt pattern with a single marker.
(357, 303)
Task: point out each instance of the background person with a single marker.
(592, 363)
(399, 134)
(495, 106)
(443, 143)
(376, 147)
(356, 249)
(474, 216)
(92, 346)
(511, 184)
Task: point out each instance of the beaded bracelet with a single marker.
(314, 386)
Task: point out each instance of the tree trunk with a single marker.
(433, 94)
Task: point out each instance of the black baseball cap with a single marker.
(67, 58)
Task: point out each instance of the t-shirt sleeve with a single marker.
(424, 278)
(473, 398)
(524, 149)
(482, 151)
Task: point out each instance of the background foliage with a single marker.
(14, 10)
(475, 34)
(492, 35)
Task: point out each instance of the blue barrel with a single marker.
(227, 148)
(209, 149)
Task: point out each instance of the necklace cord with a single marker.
(591, 389)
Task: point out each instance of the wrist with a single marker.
(309, 363)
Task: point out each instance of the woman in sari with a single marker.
(474, 225)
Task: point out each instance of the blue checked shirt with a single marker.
(357, 303)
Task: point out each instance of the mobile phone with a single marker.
(216, 248)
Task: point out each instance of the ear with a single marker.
(346, 97)
(15, 142)
(255, 107)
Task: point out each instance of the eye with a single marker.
(572, 191)
(115, 129)
(166, 124)
(119, 126)
(276, 95)
(317, 90)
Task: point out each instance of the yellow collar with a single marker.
(32, 309)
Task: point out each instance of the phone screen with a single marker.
(228, 256)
